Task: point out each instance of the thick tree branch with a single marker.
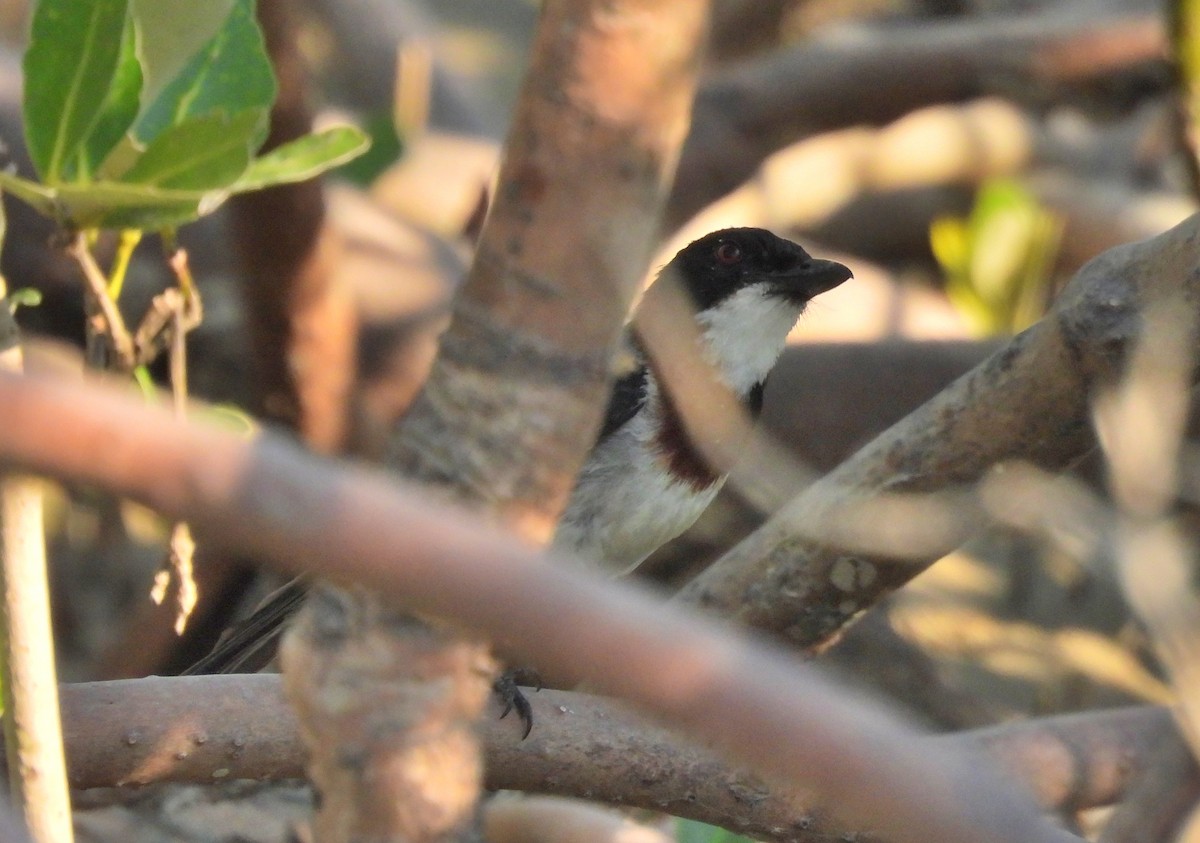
(757, 704)
(197, 729)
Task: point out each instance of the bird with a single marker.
(644, 481)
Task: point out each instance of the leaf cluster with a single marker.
(149, 113)
(998, 260)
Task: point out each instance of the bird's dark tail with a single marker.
(251, 644)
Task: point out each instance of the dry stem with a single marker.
(32, 731)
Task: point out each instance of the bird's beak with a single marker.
(812, 278)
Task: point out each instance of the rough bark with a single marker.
(511, 405)
(197, 729)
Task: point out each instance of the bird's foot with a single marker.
(507, 687)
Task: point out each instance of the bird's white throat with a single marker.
(746, 333)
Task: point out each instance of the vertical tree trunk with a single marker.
(33, 741)
(302, 322)
(512, 404)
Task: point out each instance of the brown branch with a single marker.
(797, 578)
(197, 729)
(1161, 799)
(301, 318)
(881, 74)
(757, 704)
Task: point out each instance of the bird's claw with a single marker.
(514, 698)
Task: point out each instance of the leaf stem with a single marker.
(130, 237)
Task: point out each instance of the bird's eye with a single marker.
(728, 253)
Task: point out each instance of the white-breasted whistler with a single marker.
(644, 482)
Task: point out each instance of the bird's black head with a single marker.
(721, 263)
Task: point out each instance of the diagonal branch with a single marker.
(753, 702)
(806, 573)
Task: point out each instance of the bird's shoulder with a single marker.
(628, 395)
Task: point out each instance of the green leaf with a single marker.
(231, 74)
(691, 831)
(201, 153)
(984, 320)
(117, 113)
(173, 32)
(73, 53)
(42, 199)
(24, 297)
(386, 148)
(114, 204)
(303, 158)
(950, 245)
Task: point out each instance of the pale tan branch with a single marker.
(32, 730)
(799, 577)
(795, 725)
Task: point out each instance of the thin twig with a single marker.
(173, 312)
(112, 325)
(179, 311)
(126, 245)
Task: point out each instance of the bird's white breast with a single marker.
(625, 504)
